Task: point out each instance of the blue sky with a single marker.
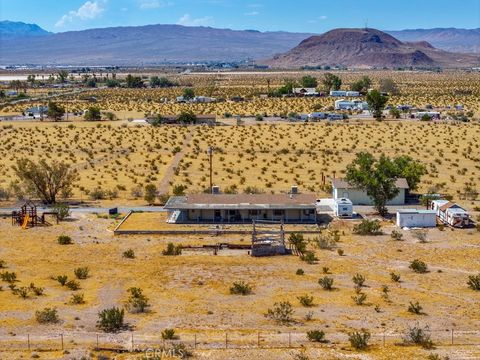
(265, 15)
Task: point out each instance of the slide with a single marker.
(25, 221)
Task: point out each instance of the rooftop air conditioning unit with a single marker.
(294, 190)
(215, 189)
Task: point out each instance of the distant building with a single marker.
(351, 105)
(338, 93)
(305, 92)
(36, 112)
(352, 93)
(342, 189)
(450, 213)
(317, 116)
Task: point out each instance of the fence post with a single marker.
(28, 341)
(132, 342)
(258, 339)
(61, 336)
(226, 339)
(384, 339)
(452, 336)
(195, 342)
(289, 339)
(97, 343)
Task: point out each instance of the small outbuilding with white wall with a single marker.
(411, 218)
(343, 208)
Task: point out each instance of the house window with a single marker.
(253, 212)
(278, 212)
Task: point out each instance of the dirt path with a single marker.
(170, 172)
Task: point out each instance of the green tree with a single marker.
(93, 113)
(112, 83)
(388, 86)
(150, 193)
(309, 82)
(287, 87)
(45, 180)
(188, 94)
(133, 81)
(162, 82)
(187, 117)
(362, 85)
(55, 111)
(410, 169)
(376, 177)
(395, 113)
(331, 82)
(62, 76)
(376, 103)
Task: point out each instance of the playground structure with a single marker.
(28, 216)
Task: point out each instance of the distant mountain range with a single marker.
(15, 30)
(368, 48)
(22, 43)
(451, 39)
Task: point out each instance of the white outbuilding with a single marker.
(412, 218)
(343, 208)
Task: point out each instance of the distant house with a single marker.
(351, 105)
(333, 116)
(203, 99)
(173, 119)
(36, 112)
(242, 208)
(352, 93)
(342, 189)
(338, 93)
(317, 116)
(305, 92)
(430, 114)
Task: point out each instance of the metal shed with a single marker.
(416, 218)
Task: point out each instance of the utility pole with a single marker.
(210, 155)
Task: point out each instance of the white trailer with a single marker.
(343, 208)
(412, 218)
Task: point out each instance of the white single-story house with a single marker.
(36, 112)
(343, 208)
(416, 218)
(305, 92)
(342, 189)
(350, 105)
(353, 93)
(219, 208)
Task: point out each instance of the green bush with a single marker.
(358, 280)
(359, 339)
(326, 283)
(309, 257)
(306, 300)
(129, 254)
(81, 273)
(316, 336)
(168, 334)
(418, 266)
(396, 235)
(281, 312)
(418, 336)
(62, 279)
(474, 282)
(72, 285)
(77, 299)
(300, 272)
(47, 316)
(111, 320)
(62, 209)
(360, 298)
(9, 277)
(137, 301)
(64, 240)
(415, 308)
(172, 250)
(240, 288)
(395, 277)
(368, 227)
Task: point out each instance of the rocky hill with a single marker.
(15, 30)
(367, 48)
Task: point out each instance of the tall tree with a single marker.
(62, 76)
(309, 82)
(331, 82)
(55, 111)
(362, 85)
(388, 86)
(187, 117)
(376, 177)
(93, 113)
(44, 180)
(376, 103)
(188, 94)
(134, 81)
(410, 169)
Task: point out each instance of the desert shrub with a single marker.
(180, 350)
(81, 273)
(420, 235)
(111, 320)
(21, 291)
(168, 334)
(340, 252)
(474, 282)
(38, 291)
(358, 280)
(368, 227)
(359, 298)
(326, 283)
(298, 242)
(309, 257)
(395, 277)
(326, 270)
(418, 266)
(9, 277)
(301, 355)
(326, 241)
(316, 336)
(172, 250)
(179, 190)
(47, 316)
(415, 308)
(418, 336)
(77, 299)
(97, 194)
(62, 209)
(281, 312)
(62, 279)
(137, 302)
(129, 254)
(396, 235)
(150, 193)
(359, 339)
(240, 288)
(306, 300)
(3, 264)
(72, 285)
(300, 272)
(64, 240)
